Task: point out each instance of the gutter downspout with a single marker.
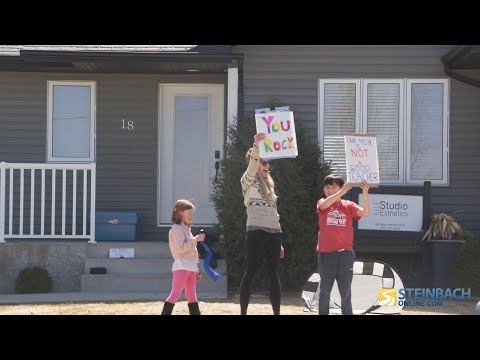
(449, 59)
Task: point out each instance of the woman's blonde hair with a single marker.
(178, 207)
(266, 184)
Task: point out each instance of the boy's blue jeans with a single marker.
(333, 266)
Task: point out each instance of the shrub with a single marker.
(33, 280)
(298, 185)
(467, 266)
(444, 226)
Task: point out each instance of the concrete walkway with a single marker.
(90, 297)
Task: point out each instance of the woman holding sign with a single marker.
(264, 233)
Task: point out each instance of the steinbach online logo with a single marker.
(421, 296)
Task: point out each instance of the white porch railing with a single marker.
(44, 177)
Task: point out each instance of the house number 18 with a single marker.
(129, 125)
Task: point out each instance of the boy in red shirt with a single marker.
(335, 241)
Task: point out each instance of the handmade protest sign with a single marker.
(362, 159)
(280, 138)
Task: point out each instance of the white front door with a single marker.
(190, 138)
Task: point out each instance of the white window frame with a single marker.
(401, 126)
(445, 129)
(404, 118)
(93, 92)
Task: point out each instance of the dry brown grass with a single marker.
(292, 304)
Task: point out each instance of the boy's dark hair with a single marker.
(333, 179)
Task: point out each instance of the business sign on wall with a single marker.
(393, 212)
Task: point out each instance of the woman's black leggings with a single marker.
(259, 242)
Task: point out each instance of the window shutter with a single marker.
(427, 138)
(383, 118)
(340, 112)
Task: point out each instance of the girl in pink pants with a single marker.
(183, 246)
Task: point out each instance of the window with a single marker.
(408, 116)
(71, 121)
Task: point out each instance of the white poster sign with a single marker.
(393, 212)
(120, 253)
(280, 140)
(362, 159)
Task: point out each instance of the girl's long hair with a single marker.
(178, 207)
(266, 184)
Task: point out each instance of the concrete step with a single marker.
(147, 283)
(153, 266)
(157, 249)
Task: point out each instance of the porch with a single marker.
(45, 211)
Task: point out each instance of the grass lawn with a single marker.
(292, 304)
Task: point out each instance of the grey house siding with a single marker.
(126, 160)
(463, 194)
(291, 73)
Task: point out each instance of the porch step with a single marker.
(136, 266)
(152, 250)
(115, 283)
(150, 271)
